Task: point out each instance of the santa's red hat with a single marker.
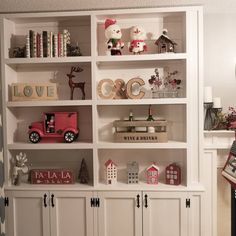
(109, 22)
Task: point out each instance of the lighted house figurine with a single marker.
(132, 172)
(152, 174)
(173, 174)
(111, 172)
(164, 43)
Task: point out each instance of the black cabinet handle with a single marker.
(45, 200)
(52, 200)
(92, 202)
(97, 202)
(138, 200)
(145, 201)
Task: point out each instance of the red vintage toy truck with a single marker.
(55, 125)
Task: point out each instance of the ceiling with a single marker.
(210, 6)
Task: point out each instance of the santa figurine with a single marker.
(137, 44)
(51, 125)
(113, 35)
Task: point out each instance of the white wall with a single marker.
(210, 6)
(220, 56)
(53, 5)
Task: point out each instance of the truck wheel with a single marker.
(34, 137)
(69, 137)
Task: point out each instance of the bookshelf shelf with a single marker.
(53, 60)
(96, 143)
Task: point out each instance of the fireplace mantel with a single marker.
(218, 139)
(216, 145)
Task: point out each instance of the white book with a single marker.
(27, 46)
(65, 39)
(41, 45)
(34, 44)
(61, 46)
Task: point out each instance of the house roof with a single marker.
(110, 162)
(172, 166)
(166, 38)
(133, 167)
(153, 166)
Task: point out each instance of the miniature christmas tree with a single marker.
(83, 173)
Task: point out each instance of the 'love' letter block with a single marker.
(34, 91)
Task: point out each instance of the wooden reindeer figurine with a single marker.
(74, 85)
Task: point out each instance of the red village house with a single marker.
(152, 173)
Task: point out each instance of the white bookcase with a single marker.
(96, 143)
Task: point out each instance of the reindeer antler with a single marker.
(73, 68)
(20, 159)
(78, 69)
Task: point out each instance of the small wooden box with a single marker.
(51, 176)
(159, 134)
(33, 91)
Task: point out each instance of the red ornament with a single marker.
(173, 174)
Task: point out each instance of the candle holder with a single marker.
(210, 116)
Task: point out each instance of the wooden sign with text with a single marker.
(142, 132)
(51, 176)
(34, 91)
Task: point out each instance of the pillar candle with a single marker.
(151, 129)
(207, 94)
(217, 103)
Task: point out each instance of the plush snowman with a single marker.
(113, 35)
(137, 44)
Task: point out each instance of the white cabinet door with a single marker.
(197, 220)
(120, 213)
(28, 213)
(71, 213)
(164, 214)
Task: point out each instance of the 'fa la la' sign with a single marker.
(51, 176)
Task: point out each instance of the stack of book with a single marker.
(47, 44)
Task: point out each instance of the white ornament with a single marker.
(113, 35)
(137, 44)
